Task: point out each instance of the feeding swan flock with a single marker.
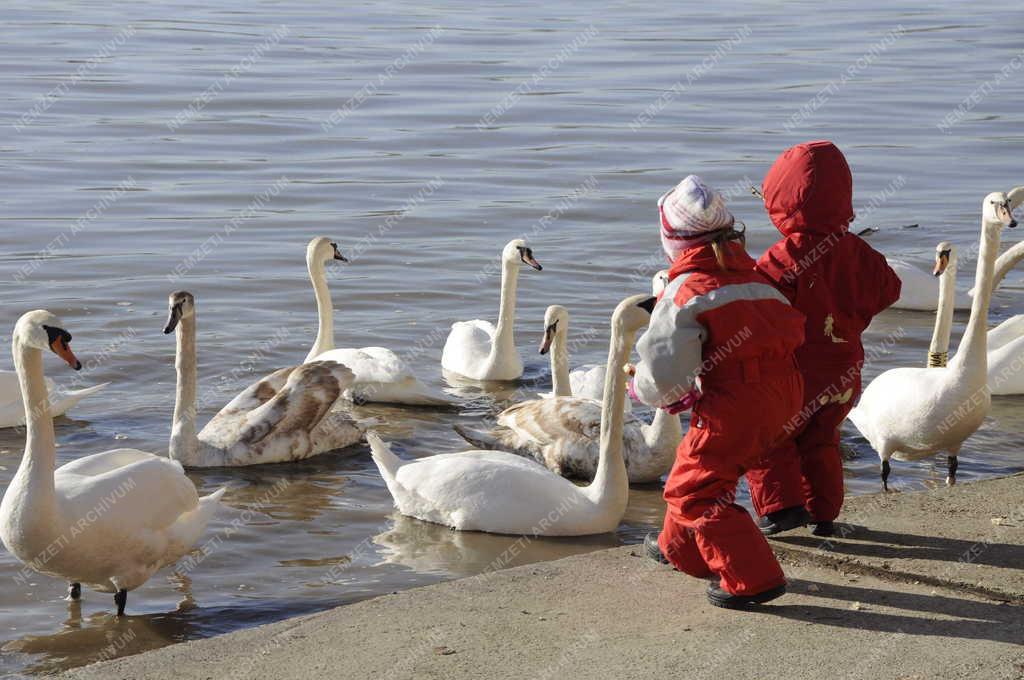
(518, 478)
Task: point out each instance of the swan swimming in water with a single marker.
(116, 516)
(561, 431)
(504, 493)
(478, 349)
(379, 375)
(12, 411)
(284, 417)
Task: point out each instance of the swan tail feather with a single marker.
(483, 440)
(68, 399)
(189, 527)
(387, 462)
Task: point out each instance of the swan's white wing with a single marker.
(381, 376)
(1004, 333)
(918, 411)
(370, 364)
(588, 381)
(148, 493)
(1006, 368)
(98, 463)
(468, 346)
(489, 491)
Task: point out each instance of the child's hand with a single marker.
(629, 369)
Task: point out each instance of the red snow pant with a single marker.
(734, 425)
(807, 468)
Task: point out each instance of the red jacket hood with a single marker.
(809, 190)
(702, 258)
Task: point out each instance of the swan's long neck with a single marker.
(664, 434)
(972, 355)
(938, 350)
(35, 473)
(504, 336)
(1006, 262)
(324, 310)
(611, 485)
(560, 362)
(184, 444)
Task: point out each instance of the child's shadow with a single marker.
(865, 542)
(953, 617)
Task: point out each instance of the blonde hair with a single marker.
(730, 234)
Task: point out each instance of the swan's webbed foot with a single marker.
(74, 591)
(885, 475)
(121, 599)
(952, 463)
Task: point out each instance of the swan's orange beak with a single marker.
(62, 349)
(941, 262)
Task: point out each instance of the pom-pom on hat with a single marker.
(691, 214)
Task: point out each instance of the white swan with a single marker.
(286, 416)
(1014, 254)
(477, 349)
(586, 381)
(379, 374)
(913, 413)
(562, 431)
(503, 493)
(109, 520)
(946, 263)
(12, 411)
(1005, 341)
(918, 291)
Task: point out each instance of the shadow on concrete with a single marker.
(961, 618)
(861, 541)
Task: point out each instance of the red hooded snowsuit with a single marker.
(738, 334)
(839, 282)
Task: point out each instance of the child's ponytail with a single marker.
(730, 234)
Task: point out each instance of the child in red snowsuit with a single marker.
(721, 339)
(839, 282)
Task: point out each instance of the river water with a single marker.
(144, 149)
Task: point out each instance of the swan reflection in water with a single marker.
(434, 549)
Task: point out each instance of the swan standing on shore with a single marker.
(503, 493)
(12, 411)
(913, 413)
(109, 520)
(379, 374)
(284, 417)
(478, 349)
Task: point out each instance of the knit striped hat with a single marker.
(691, 214)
